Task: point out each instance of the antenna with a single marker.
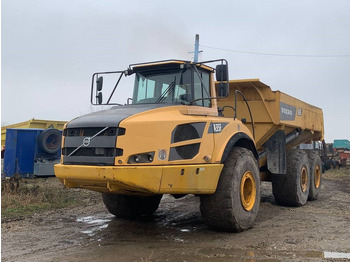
(196, 49)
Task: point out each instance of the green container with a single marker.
(341, 143)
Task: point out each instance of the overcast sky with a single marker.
(50, 49)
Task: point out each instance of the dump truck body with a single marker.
(189, 133)
(272, 111)
(277, 121)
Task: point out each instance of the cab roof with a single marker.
(167, 64)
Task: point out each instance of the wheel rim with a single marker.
(248, 191)
(317, 176)
(303, 179)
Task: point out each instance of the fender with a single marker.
(242, 140)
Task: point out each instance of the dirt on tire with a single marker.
(287, 188)
(223, 210)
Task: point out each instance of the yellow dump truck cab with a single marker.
(163, 149)
(187, 130)
(170, 139)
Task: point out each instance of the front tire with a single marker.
(235, 204)
(123, 206)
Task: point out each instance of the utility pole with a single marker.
(196, 49)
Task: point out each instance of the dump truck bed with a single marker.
(272, 111)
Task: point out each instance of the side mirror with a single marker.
(222, 76)
(221, 73)
(223, 90)
(99, 83)
(109, 79)
(99, 98)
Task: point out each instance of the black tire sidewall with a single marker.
(296, 161)
(42, 140)
(243, 217)
(314, 161)
(223, 210)
(124, 206)
(287, 187)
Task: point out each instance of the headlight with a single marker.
(141, 158)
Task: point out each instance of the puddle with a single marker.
(92, 220)
(274, 255)
(179, 240)
(325, 254)
(336, 255)
(94, 223)
(178, 230)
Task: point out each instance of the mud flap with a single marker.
(276, 153)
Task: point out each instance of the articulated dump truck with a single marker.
(188, 129)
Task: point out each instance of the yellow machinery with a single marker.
(190, 130)
(33, 123)
(272, 111)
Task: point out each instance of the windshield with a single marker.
(177, 86)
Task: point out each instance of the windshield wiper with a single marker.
(168, 91)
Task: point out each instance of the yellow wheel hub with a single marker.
(317, 176)
(303, 179)
(248, 191)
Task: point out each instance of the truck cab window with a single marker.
(175, 85)
(145, 88)
(201, 88)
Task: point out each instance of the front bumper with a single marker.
(142, 180)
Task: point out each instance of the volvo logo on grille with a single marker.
(86, 141)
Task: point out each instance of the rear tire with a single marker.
(123, 206)
(235, 204)
(328, 164)
(315, 175)
(292, 189)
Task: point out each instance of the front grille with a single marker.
(91, 131)
(98, 150)
(93, 151)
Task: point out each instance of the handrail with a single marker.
(250, 113)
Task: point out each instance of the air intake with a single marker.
(186, 132)
(184, 152)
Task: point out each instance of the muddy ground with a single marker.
(177, 232)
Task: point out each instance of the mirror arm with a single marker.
(115, 87)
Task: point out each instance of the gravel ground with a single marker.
(177, 232)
